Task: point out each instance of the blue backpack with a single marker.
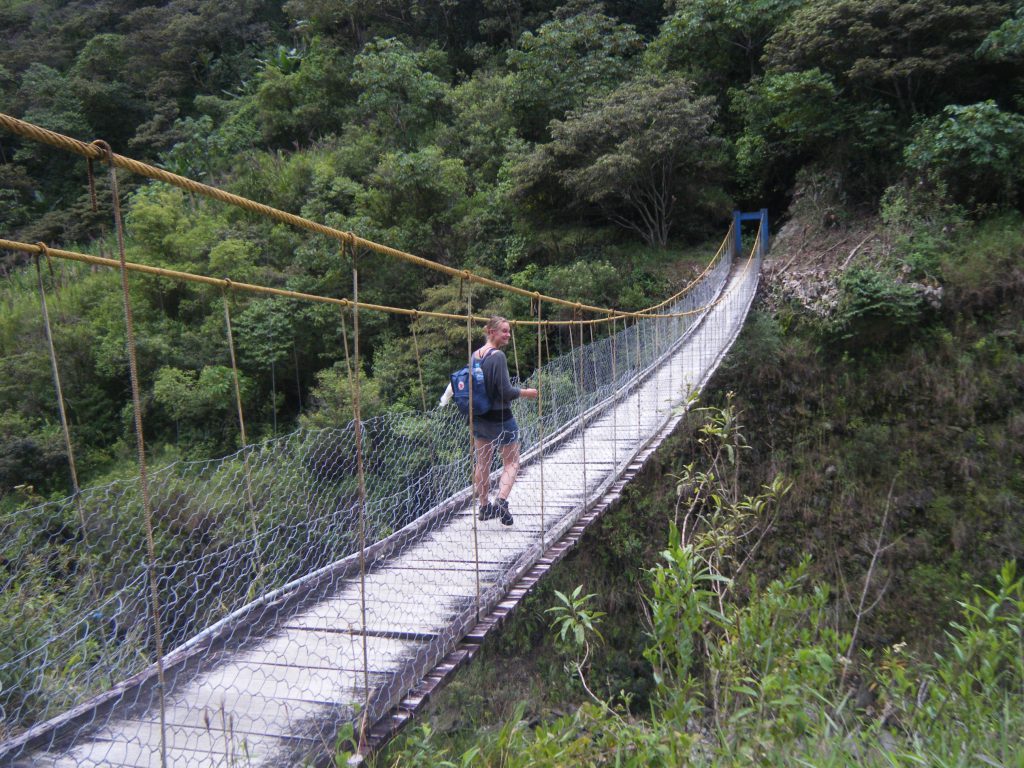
(460, 388)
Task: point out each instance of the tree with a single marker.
(399, 92)
(976, 151)
(788, 119)
(915, 54)
(482, 123)
(98, 78)
(1006, 43)
(48, 98)
(265, 337)
(721, 41)
(580, 53)
(308, 98)
(203, 403)
(636, 154)
(413, 198)
(334, 398)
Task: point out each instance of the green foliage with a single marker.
(399, 91)
(414, 200)
(411, 138)
(167, 231)
(636, 154)
(591, 282)
(206, 152)
(717, 42)
(681, 599)
(1006, 42)
(303, 95)
(981, 272)
(482, 122)
(874, 310)
(787, 118)
(890, 47)
(202, 407)
(573, 622)
(234, 259)
(263, 332)
(580, 53)
(334, 398)
(31, 456)
(975, 151)
(887, 70)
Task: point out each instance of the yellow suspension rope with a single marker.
(93, 152)
(44, 136)
(220, 282)
(686, 289)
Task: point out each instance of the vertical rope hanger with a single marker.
(578, 385)
(615, 408)
(133, 370)
(65, 427)
(486, 471)
(540, 414)
(361, 479)
(419, 362)
(672, 336)
(344, 344)
(241, 423)
(639, 367)
(657, 374)
(55, 370)
(515, 353)
(547, 342)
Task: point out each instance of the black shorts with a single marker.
(498, 432)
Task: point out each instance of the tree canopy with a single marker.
(637, 153)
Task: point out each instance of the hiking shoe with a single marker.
(502, 511)
(488, 512)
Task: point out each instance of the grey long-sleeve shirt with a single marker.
(499, 386)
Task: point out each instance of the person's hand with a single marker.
(529, 393)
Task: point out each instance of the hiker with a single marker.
(497, 426)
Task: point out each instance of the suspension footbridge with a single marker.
(333, 578)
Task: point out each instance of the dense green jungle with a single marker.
(824, 564)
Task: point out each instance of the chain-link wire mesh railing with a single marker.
(280, 590)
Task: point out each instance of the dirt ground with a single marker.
(807, 260)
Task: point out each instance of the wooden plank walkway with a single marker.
(279, 697)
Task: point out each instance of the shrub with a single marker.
(975, 150)
(875, 310)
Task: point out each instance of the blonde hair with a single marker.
(494, 323)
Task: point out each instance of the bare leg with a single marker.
(482, 468)
(509, 469)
